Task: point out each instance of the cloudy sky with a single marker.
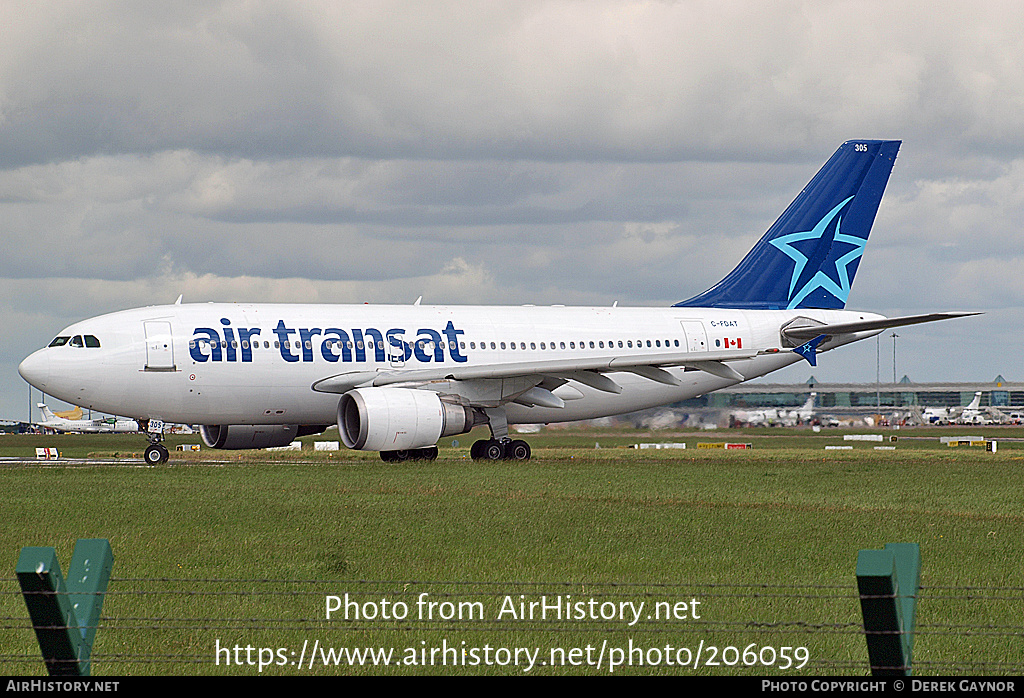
(534, 151)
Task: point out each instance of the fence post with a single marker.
(888, 581)
(65, 614)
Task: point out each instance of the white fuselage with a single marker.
(258, 364)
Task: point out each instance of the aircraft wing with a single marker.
(805, 332)
(584, 370)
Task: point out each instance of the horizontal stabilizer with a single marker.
(805, 332)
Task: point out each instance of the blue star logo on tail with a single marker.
(838, 286)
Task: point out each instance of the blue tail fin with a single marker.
(808, 258)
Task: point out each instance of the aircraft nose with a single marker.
(36, 369)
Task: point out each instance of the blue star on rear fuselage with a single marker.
(825, 236)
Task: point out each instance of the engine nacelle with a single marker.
(238, 436)
(396, 419)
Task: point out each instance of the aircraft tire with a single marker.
(402, 455)
(518, 450)
(494, 450)
(156, 454)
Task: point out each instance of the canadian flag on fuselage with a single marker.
(734, 343)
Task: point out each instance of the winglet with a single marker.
(809, 350)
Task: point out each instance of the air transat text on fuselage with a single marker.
(335, 344)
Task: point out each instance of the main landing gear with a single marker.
(500, 449)
(499, 446)
(485, 449)
(409, 454)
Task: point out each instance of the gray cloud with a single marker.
(532, 152)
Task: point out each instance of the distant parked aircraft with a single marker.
(772, 417)
(107, 424)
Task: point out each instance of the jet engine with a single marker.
(238, 436)
(394, 419)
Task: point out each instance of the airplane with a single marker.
(108, 424)
(973, 413)
(969, 414)
(936, 415)
(801, 415)
(771, 416)
(396, 379)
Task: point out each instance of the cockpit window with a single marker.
(77, 341)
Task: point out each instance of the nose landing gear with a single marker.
(156, 453)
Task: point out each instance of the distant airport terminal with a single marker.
(846, 404)
(906, 393)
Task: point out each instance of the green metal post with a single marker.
(65, 614)
(888, 581)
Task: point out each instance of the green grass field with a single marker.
(233, 549)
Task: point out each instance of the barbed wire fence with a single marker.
(182, 626)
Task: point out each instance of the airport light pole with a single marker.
(894, 337)
(878, 371)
